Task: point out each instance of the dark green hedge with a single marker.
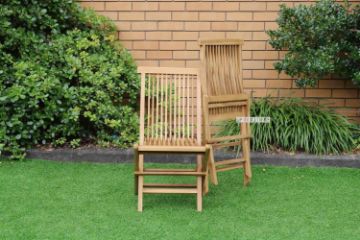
(321, 39)
(63, 78)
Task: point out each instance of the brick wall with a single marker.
(165, 33)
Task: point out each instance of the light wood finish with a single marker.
(224, 99)
(170, 122)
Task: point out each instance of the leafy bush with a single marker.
(321, 39)
(63, 77)
(297, 126)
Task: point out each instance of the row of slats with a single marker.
(170, 109)
(223, 69)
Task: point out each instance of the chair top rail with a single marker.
(221, 42)
(168, 70)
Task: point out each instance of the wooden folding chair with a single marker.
(170, 122)
(224, 99)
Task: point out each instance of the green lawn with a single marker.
(49, 200)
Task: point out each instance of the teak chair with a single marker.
(170, 122)
(224, 99)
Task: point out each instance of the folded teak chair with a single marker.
(170, 122)
(224, 99)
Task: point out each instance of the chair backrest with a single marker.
(170, 106)
(222, 85)
(222, 66)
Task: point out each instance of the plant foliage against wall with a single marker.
(63, 77)
(321, 39)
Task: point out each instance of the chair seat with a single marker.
(179, 149)
(228, 98)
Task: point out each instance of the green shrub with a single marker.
(297, 126)
(63, 78)
(321, 39)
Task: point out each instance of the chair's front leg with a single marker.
(140, 182)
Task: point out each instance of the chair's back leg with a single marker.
(140, 182)
(245, 130)
(199, 183)
(212, 167)
(136, 168)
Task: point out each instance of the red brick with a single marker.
(253, 64)
(172, 45)
(223, 26)
(185, 16)
(345, 93)
(172, 6)
(212, 16)
(186, 54)
(129, 16)
(265, 16)
(147, 25)
(265, 74)
(242, 35)
(254, 45)
(118, 6)
(212, 34)
(252, 6)
(97, 6)
(138, 54)
(159, 54)
(331, 83)
(111, 15)
(123, 25)
(131, 35)
(185, 35)
(278, 83)
(225, 6)
(198, 6)
(173, 26)
(332, 102)
(151, 63)
(197, 26)
(145, 45)
(172, 63)
(318, 93)
(254, 83)
(251, 26)
(145, 6)
(353, 102)
(158, 35)
(239, 16)
(158, 16)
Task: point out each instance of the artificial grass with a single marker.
(51, 200)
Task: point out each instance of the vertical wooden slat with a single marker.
(171, 119)
(160, 104)
(153, 106)
(188, 105)
(184, 107)
(175, 107)
(157, 108)
(198, 112)
(148, 106)
(192, 108)
(166, 107)
(142, 108)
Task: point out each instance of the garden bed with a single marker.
(93, 154)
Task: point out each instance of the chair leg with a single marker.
(199, 182)
(140, 182)
(140, 193)
(205, 166)
(136, 168)
(247, 164)
(199, 194)
(212, 168)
